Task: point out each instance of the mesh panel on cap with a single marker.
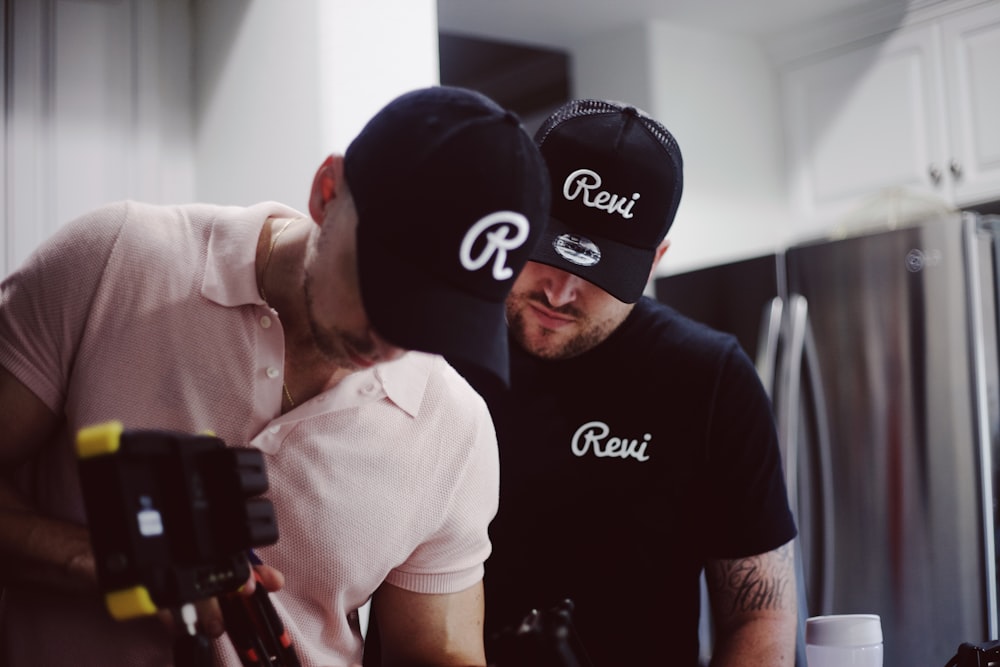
(578, 108)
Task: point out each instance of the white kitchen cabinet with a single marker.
(971, 42)
(914, 109)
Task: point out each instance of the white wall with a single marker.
(615, 65)
(170, 101)
(717, 94)
(283, 83)
(257, 100)
(97, 108)
(370, 53)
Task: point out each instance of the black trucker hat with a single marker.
(452, 195)
(617, 177)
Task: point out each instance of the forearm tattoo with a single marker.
(758, 583)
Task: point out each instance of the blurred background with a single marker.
(828, 145)
(796, 117)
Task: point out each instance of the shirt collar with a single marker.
(231, 262)
(404, 380)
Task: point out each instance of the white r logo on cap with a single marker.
(497, 228)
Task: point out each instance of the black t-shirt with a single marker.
(621, 471)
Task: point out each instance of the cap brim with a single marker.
(417, 311)
(621, 270)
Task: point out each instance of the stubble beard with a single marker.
(547, 343)
(331, 344)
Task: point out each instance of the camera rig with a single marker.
(173, 517)
(541, 639)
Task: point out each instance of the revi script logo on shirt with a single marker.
(593, 438)
(497, 228)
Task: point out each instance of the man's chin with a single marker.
(358, 362)
(542, 343)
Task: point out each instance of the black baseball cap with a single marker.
(452, 194)
(617, 177)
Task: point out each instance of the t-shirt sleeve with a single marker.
(751, 503)
(44, 303)
(451, 559)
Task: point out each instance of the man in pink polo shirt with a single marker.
(319, 340)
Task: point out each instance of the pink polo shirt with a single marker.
(151, 316)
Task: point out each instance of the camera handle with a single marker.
(541, 639)
(192, 648)
(253, 626)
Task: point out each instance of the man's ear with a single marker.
(327, 183)
(660, 250)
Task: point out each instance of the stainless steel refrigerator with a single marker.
(880, 352)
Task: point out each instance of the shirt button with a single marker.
(273, 372)
(274, 429)
(368, 389)
(265, 322)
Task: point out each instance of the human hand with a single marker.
(271, 579)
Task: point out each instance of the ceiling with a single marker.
(561, 23)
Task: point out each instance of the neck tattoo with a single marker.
(263, 294)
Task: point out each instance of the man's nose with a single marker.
(562, 289)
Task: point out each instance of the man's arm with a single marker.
(754, 606)
(34, 549)
(421, 630)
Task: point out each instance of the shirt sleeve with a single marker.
(44, 303)
(751, 499)
(451, 558)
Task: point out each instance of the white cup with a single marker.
(844, 640)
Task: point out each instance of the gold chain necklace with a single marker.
(263, 295)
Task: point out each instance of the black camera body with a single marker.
(172, 515)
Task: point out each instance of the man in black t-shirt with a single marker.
(638, 448)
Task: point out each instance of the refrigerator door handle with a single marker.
(800, 353)
(767, 346)
(789, 390)
(824, 467)
(984, 333)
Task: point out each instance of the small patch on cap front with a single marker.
(577, 250)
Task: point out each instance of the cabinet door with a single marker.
(971, 43)
(866, 119)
